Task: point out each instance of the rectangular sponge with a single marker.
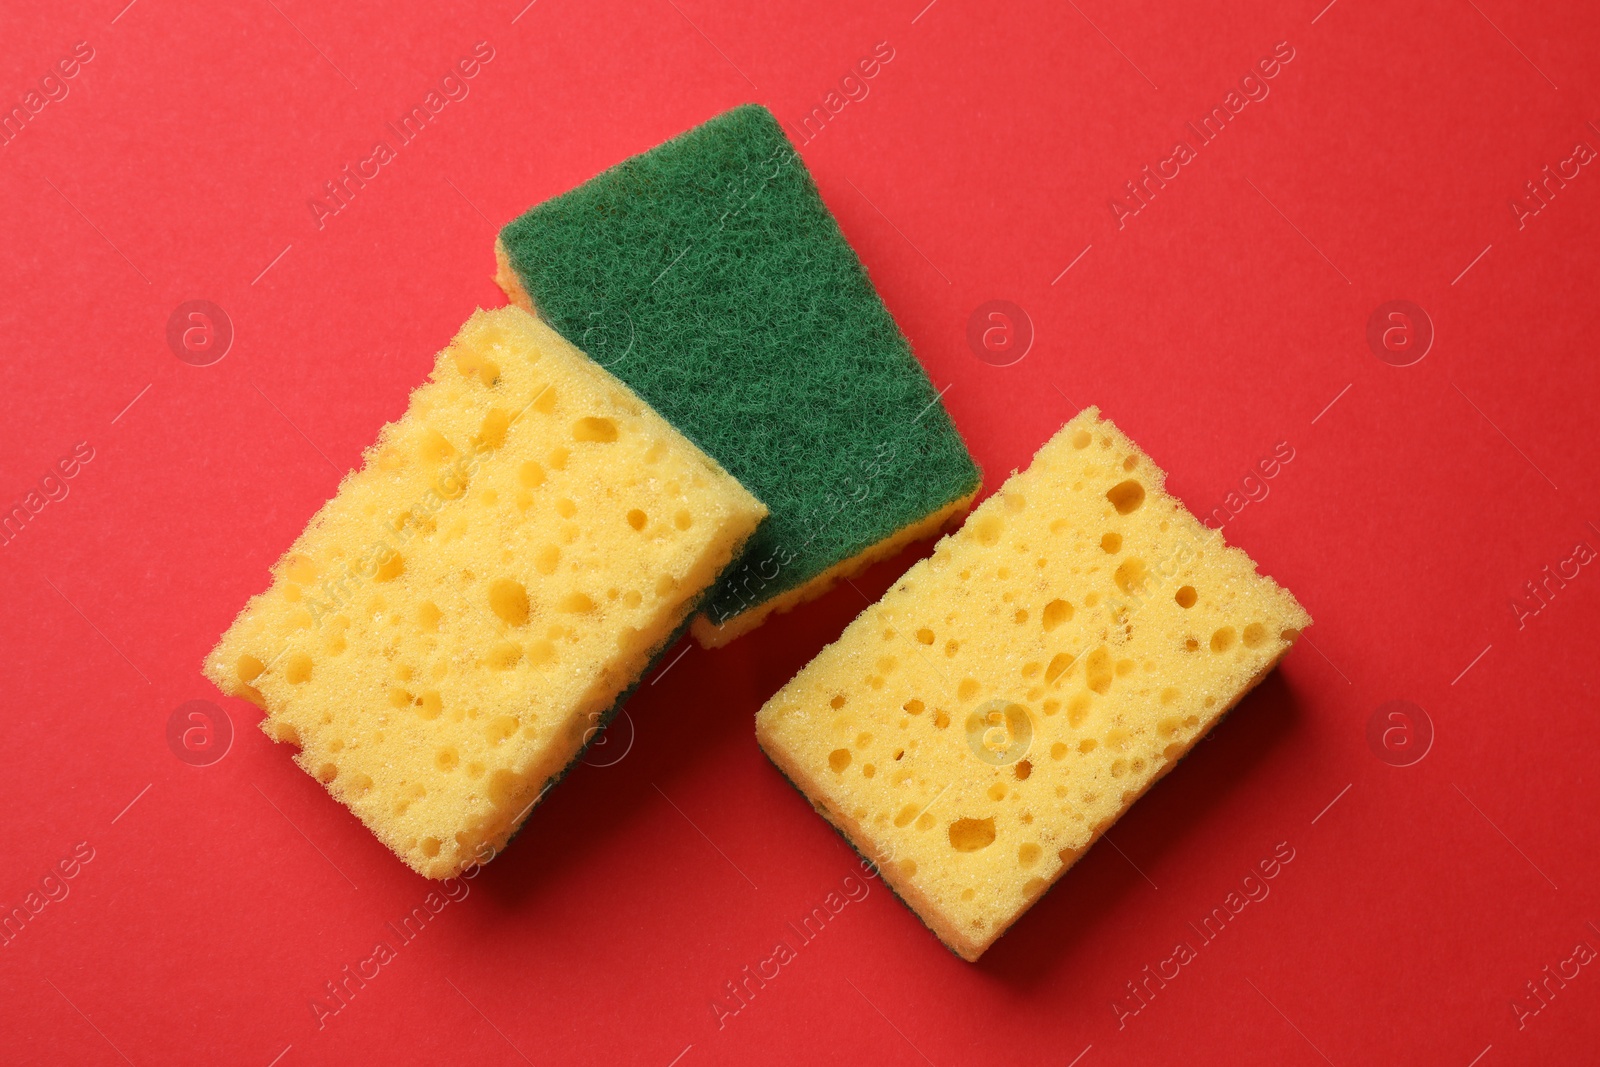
(466, 613)
(709, 275)
(1007, 700)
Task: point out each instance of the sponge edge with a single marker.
(463, 617)
(727, 296)
(975, 731)
(714, 635)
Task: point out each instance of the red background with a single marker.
(1222, 319)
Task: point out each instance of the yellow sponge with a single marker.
(979, 727)
(463, 617)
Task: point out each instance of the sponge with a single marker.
(708, 274)
(980, 726)
(463, 617)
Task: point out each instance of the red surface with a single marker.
(1220, 320)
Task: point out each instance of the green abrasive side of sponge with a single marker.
(709, 275)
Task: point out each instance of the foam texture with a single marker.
(708, 274)
(463, 616)
(979, 727)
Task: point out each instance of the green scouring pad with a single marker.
(708, 274)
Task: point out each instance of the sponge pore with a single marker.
(708, 274)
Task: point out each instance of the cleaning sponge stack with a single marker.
(475, 603)
(469, 611)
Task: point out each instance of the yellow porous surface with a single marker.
(979, 727)
(459, 620)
